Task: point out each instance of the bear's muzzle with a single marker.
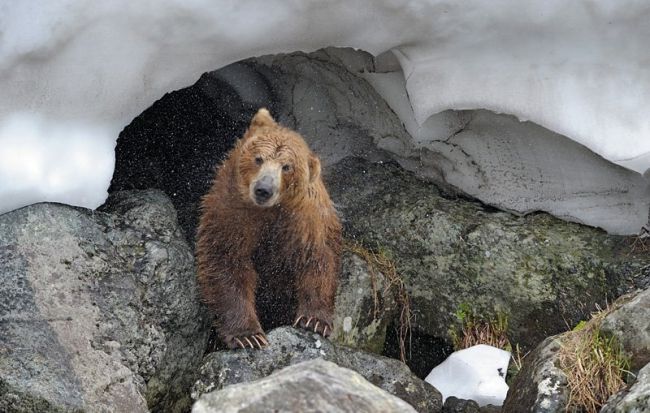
(264, 190)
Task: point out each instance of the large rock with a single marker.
(98, 310)
(541, 272)
(310, 386)
(540, 386)
(289, 346)
(517, 166)
(630, 324)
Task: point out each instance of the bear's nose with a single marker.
(263, 191)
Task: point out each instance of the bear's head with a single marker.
(274, 163)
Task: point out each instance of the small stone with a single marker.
(347, 324)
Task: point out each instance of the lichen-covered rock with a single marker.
(540, 386)
(289, 346)
(635, 399)
(98, 310)
(310, 386)
(541, 272)
(456, 405)
(365, 306)
(630, 324)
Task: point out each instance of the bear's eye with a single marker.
(286, 167)
(259, 160)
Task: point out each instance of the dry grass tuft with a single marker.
(641, 242)
(477, 330)
(378, 262)
(493, 331)
(594, 365)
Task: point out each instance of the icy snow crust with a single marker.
(475, 373)
(579, 68)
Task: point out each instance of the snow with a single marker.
(475, 373)
(45, 160)
(514, 166)
(82, 70)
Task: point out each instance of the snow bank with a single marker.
(514, 166)
(578, 68)
(45, 160)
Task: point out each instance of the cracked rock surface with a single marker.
(98, 309)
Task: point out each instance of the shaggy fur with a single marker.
(259, 265)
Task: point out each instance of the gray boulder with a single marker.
(540, 386)
(98, 309)
(310, 386)
(365, 306)
(630, 324)
(541, 272)
(289, 346)
(456, 405)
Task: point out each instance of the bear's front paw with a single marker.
(315, 324)
(257, 340)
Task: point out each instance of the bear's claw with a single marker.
(251, 341)
(325, 327)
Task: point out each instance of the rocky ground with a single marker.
(289, 346)
(103, 304)
(99, 309)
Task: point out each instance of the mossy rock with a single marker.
(545, 274)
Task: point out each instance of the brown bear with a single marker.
(269, 239)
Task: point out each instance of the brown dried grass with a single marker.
(639, 244)
(594, 365)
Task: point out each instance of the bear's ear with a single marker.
(262, 118)
(314, 168)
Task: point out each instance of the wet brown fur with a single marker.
(268, 263)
